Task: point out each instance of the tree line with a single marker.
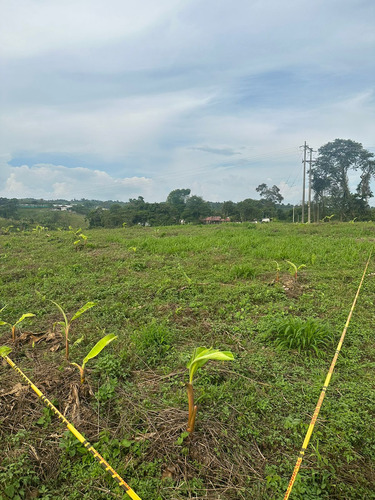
(333, 195)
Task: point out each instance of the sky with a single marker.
(117, 99)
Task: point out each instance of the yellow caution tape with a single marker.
(77, 434)
(324, 389)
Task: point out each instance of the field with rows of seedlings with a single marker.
(191, 358)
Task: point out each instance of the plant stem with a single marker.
(67, 342)
(14, 333)
(192, 409)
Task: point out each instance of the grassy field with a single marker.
(163, 292)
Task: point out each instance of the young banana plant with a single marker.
(294, 269)
(278, 269)
(13, 327)
(97, 349)
(199, 358)
(66, 323)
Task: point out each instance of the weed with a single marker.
(302, 335)
(153, 341)
(244, 271)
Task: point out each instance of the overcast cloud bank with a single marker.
(111, 100)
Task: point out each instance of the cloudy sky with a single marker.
(119, 98)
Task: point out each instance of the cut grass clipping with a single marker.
(308, 336)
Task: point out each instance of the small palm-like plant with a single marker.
(199, 358)
(66, 323)
(97, 349)
(294, 269)
(13, 327)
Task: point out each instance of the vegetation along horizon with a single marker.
(252, 312)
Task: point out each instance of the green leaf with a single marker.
(84, 308)
(201, 355)
(4, 323)
(98, 347)
(293, 266)
(4, 351)
(27, 315)
(62, 312)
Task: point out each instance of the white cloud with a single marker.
(215, 96)
(34, 27)
(52, 182)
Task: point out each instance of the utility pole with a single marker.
(304, 182)
(309, 201)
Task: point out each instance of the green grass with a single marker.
(184, 287)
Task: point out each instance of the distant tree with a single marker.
(8, 208)
(178, 199)
(249, 209)
(196, 209)
(230, 209)
(331, 175)
(270, 194)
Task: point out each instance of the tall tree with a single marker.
(178, 199)
(331, 174)
(270, 194)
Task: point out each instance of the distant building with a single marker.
(215, 219)
(63, 208)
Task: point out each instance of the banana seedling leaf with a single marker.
(62, 312)
(99, 347)
(84, 308)
(27, 315)
(201, 355)
(5, 350)
(293, 265)
(4, 323)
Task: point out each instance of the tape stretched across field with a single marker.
(77, 434)
(324, 389)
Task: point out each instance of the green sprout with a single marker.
(66, 323)
(294, 269)
(327, 218)
(80, 239)
(13, 327)
(81, 242)
(278, 269)
(199, 358)
(6, 229)
(97, 349)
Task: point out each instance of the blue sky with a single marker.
(116, 99)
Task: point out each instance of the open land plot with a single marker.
(163, 292)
